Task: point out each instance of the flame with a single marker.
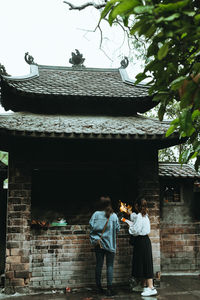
(125, 208)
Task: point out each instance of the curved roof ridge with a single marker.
(69, 68)
(34, 72)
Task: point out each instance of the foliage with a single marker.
(171, 30)
(4, 157)
(173, 153)
(167, 155)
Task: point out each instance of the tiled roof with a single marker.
(88, 86)
(134, 127)
(84, 82)
(177, 170)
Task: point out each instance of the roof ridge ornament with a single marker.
(29, 59)
(124, 63)
(77, 59)
(3, 71)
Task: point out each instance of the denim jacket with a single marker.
(97, 223)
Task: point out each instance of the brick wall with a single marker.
(63, 257)
(180, 247)
(60, 257)
(18, 228)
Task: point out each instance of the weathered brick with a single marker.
(9, 274)
(24, 259)
(17, 282)
(19, 266)
(13, 259)
(22, 274)
(20, 207)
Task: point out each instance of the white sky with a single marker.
(49, 31)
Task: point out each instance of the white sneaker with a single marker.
(149, 292)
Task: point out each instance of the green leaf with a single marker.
(170, 130)
(161, 112)
(150, 31)
(175, 122)
(140, 77)
(189, 93)
(161, 96)
(169, 34)
(197, 18)
(162, 8)
(195, 114)
(121, 9)
(136, 27)
(189, 13)
(172, 17)
(183, 35)
(196, 146)
(143, 9)
(184, 157)
(177, 83)
(125, 20)
(186, 125)
(108, 8)
(194, 155)
(159, 20)
(162, 52)
(152, 50)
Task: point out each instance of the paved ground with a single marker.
(172, 288)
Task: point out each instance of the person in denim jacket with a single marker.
(105, 244)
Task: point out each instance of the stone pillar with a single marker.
(148, 185)
(18, 227)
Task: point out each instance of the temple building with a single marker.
(77, 133)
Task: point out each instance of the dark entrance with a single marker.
(73, 192)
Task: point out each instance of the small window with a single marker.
(171, 193)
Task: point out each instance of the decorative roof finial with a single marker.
(77, 59)
(3, 70)
(124, 62)
(29, 59)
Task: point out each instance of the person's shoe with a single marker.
(137, 288)
(100, 290)
(110, 292)
(149, 292)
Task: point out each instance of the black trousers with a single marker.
(142, 263)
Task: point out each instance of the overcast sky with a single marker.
(49, 31)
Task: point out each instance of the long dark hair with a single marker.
(141, 205)
(105, 204)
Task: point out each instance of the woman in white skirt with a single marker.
(142, 268)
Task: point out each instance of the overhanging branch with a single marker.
(83, 6)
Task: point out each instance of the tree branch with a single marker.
(83, 6)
